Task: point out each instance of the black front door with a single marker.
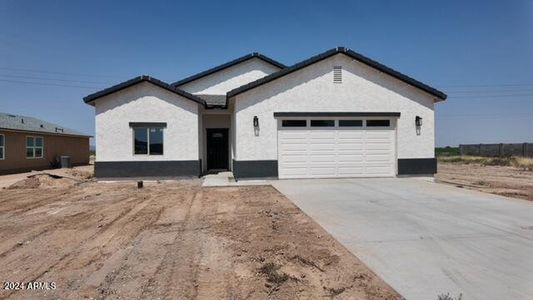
(217, 148)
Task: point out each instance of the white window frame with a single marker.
(34, 147)
(147, 141)
(3, 146)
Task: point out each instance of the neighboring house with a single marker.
(337, 114)
(28, 143)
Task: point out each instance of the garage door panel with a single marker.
(313, 148)
(294, 153)
(292, 139)
(378, 146)
(294, 159)
(349, 133)
(322, 142)
(285, 148)
(370, 155)
(347, 153)
(350, 147)
(378, 161)
(352, 157)
(295, 165)
(340, 152)
(323, 158)
(351, 172)
(322, 171)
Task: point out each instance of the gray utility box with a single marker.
(65, 162)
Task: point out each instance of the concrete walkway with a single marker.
(424, 238)
(221, 179)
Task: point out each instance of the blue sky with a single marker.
(53, 53)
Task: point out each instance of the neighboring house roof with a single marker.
(227, 65)
(329, 53)
(143, 78)
(213, 100)
(24, 123)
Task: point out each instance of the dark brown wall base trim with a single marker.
(417, 166)
(255, 168)
(139, 169)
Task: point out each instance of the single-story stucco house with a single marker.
(28, 143)
(336, 114)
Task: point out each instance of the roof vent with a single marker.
(59, 129)
(22, 121)
(337, 74)
(42, 126)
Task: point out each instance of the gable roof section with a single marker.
(24, 123)
(227, 65)
(143, 78)
(329, 53)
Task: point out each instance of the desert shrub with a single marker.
(498, 161)
(448, 297)
(271, 270)
(525, 163)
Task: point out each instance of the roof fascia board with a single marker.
(143, 78)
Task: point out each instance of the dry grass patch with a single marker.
(524, 163)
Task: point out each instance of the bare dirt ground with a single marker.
(505, 181)
(172, 240)
(7, 180)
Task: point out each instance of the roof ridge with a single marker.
(328, 53)
(227, 65)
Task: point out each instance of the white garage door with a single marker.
(336, 148)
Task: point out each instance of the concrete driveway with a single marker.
(424, 238)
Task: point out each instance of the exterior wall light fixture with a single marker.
(256, 126)
(418, 121)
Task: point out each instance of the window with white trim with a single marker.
(2, 146)
(148, 140)
(34, 147)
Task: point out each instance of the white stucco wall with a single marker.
(223, 81)
(145, 102)
(311, 89)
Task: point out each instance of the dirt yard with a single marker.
(172, 240)
(505, 181)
